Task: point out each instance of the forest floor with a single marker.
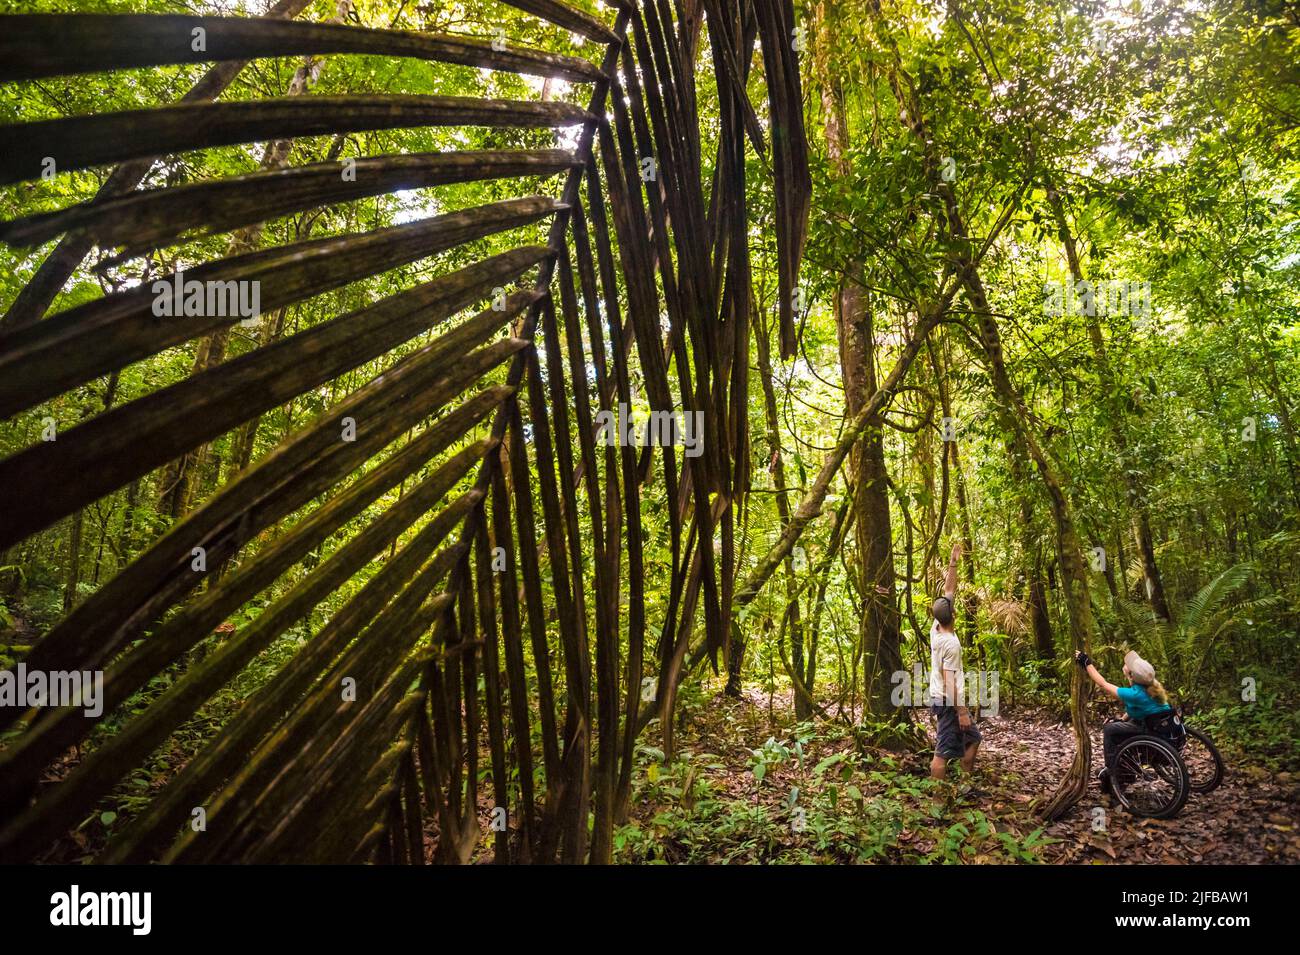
(1252, 817)
(823, 795)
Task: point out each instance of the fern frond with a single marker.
(1211, 597)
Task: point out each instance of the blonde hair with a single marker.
(1157, 692)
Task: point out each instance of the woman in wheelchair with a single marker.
(1145, 700)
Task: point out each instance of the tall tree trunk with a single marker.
(75, 531)
(1015, 420)
(125, 537)
(1133, 481)
(1069, 548)
(1038, 615)
(801, 706)
(1031, 555)
(970, 597)
(880, 625)
(73, 577)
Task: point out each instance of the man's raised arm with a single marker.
(950, 580)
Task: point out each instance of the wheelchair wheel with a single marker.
(1149, 778)
(1203, 762)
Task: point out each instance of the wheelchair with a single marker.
(1156, 770)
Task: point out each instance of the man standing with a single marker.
(956, 736)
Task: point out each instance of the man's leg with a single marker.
(971, 738)
(938, 766)
(947, 740)
(968, 758)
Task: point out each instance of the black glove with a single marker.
(1082, 659)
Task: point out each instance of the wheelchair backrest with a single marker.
(1168, 726)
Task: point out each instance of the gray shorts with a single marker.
(950, 739)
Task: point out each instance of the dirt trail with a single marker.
(1251, 818)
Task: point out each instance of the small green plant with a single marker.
(772, 753)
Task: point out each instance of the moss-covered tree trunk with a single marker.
(1131, 469)
(880, 630)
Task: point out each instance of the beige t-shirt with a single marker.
(945, 654)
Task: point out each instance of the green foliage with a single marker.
(1168, 130)
(845, 808)
(1260, 734)
(1209, 621)
(772, 753)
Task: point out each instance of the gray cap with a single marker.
(1139, 671)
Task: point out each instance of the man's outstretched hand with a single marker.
(1082, 659)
